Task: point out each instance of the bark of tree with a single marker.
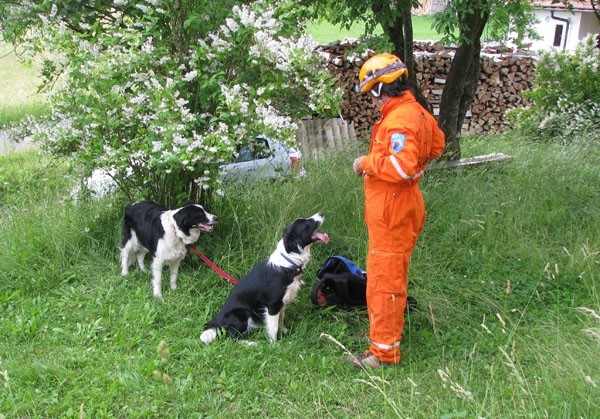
(461, 84)
(400, 32)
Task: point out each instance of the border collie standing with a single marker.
(262, 295)
(149, 227)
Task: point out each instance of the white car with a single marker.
(263, 158)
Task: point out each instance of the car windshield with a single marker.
(257, 149)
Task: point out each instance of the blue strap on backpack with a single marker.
(338, 264)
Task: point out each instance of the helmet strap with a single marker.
(376, 90)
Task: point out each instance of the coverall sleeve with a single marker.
(391, 165)
(403, 150)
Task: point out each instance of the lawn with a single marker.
(505, 273)
(325, 32)
(18, 87)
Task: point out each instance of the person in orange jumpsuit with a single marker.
(403, 141)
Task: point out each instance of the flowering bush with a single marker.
(160, 114)
(566, 96)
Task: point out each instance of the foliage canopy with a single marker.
(161, 92)
(565, 96)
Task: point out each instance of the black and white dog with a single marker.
(165, 234)
(261, 296)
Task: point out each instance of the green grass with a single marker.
(325, 33)
(76, 338)
(18, 88)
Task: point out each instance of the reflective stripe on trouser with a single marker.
(386, 299)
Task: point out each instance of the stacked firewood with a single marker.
(502, 80)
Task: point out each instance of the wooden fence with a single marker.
(318, 138)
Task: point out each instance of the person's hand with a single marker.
(356, 166)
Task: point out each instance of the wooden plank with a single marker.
(337, 133)
(345, 135)
(317, 131)
(302, 140)
(312, 139)
(352, 133)
(329, 140)
(469, 161)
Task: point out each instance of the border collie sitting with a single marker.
(262, 295)
(150, 227)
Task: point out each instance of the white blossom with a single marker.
(190, 75)
(232, 24)
(148, 47)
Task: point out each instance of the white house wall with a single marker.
(589, 24)
(580, 24)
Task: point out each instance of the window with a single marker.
(259, 149)
(244, 154)
(558, 33)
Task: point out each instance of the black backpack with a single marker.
(341, 283)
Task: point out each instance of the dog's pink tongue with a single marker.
(322, 237)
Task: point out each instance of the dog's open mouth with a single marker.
(204, 227)
(320, 237)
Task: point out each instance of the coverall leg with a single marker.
(395, 217)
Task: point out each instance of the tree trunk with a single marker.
(403, 41)
(470, 85)
(462, 81)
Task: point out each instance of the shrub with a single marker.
(160, 102)
(565, 96)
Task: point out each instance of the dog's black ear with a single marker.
(292, 241)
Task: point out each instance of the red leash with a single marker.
(214, 267)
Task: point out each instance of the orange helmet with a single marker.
(381, 68)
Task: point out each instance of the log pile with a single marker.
(502, 80)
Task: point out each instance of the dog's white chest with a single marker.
(171, 248)
(292, 290)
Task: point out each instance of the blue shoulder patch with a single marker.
(398, 142)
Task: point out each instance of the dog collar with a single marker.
(286, 257)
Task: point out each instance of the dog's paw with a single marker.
(248, 343)
(208, 336)
(285, 331)
(158, 295)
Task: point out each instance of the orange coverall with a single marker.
(403, 141)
